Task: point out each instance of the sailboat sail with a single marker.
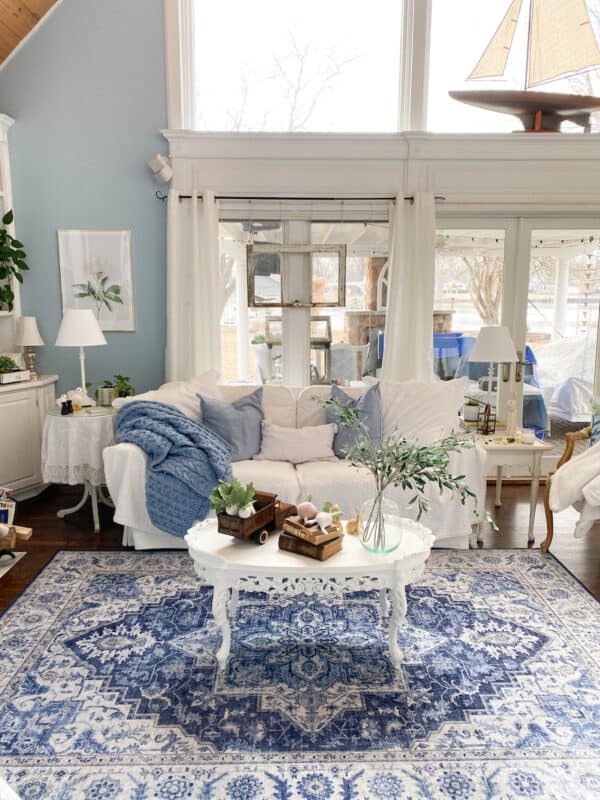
(492, 63)
(562, 41)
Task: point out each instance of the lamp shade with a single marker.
(494, 344)
(79, 328)
(27, 332)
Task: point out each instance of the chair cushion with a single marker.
(369, 414)
(270, 476)
(239, 423)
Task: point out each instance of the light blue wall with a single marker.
(88, 95)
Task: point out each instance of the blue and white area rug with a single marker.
(109, 687)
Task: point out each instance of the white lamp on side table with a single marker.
(494, 346)
(80, 328)
(28, 336)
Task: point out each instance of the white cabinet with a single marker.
(23, 407)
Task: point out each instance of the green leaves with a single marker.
(405, 464)
(99, 292)
(12, 262)
(232, 495)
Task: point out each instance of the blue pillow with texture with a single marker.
(239, 423)
(369, 413)
(595, 437)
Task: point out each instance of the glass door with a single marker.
(563, 301)
(470, 290)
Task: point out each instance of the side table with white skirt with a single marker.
(72, 448)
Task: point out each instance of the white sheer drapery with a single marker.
(408, 345)
(193, 285)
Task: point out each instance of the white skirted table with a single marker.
(72, 448)
(230, 564)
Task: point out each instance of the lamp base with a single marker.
(29, 355)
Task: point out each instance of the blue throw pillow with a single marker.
(595, 437)
(239, 423)
(369, 413)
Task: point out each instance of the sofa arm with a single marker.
(125, 470)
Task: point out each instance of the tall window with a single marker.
(341, 341)
(312, 66)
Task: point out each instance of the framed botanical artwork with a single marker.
(96, 272)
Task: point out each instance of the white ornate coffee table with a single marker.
(230, 564)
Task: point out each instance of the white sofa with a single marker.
(335, 480)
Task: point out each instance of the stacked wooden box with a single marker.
(310, 541)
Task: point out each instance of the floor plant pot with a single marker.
(378, 528)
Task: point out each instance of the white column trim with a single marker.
(413, 81)
(179, 59)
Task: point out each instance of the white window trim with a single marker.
(413, 79)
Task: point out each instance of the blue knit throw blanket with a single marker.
(185, 461)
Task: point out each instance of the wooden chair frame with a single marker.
(571, 438)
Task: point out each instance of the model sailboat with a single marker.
(560, 44)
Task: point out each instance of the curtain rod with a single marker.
(391, 197)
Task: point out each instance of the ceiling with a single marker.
(17, 18)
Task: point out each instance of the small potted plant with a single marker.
(109, 389)
(261, 357)
(7, 364)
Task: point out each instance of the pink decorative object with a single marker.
(307, 510)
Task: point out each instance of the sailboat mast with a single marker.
(528, 51)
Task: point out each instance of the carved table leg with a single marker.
(383, 603)
(398, 596)
(219, 608)
(233, 602)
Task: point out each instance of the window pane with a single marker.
(273, 66)
(460, 33)
(469, 273)
(562, 323)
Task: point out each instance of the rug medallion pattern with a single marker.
(110, 686)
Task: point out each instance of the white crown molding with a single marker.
(31, 33)
(380, 147)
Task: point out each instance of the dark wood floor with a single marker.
(50, 534)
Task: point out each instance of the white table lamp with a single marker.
(28, 336)
(494, 345)
(80, 328)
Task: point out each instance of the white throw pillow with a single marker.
(414, 408)
(297, 445)
(183, 395)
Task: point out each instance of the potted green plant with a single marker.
(109, 389)
(400, 463)
(12, 263)
(262, 364)
(7, 364)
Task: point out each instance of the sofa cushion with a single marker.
(238, 423)
(420, 410)
(337, 481)
(310, 408)
(270, 476)
(369, 415)
(183, 395)
(279, 402)
(297, 445)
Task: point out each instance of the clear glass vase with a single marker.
(379, 527)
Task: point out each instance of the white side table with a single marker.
(72, 449)
(507, 455)
(229, 565)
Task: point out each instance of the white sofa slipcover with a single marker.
(335, 480)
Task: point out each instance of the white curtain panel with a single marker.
(193, 285)
(408, 347)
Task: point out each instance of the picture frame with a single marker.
(266, 276)
(96, 272)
